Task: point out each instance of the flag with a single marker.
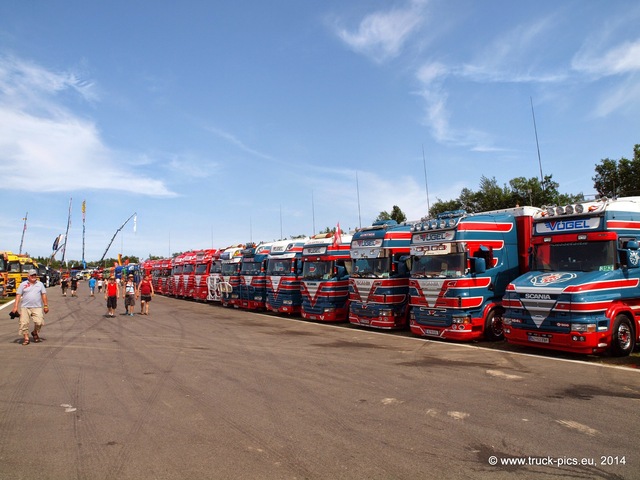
(135, 223)
(84, 209)
(56, 243)
(337, 237)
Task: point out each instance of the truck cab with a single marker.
(379, 281)
(582, 294)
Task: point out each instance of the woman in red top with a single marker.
(145, 290)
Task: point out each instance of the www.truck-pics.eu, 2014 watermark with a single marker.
(603, 460)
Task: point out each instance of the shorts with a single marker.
(129, 300)
(112, 302)
(27, 314)
(145, 298)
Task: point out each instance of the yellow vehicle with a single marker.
(15, 270)
(3, 274)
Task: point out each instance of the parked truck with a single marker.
(253, 277)
(325, 277)
(227, 286)
(284, 273)
(582, 294)
(198, 288)
(379, 281)
(16, 268)
(461, 265)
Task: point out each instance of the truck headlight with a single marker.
(583, 327)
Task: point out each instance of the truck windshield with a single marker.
(279, 266)
(371, 268)
(250, 268)
(439, 266)
(216, 267)
(575, 256)
(322, 270)
(229, 268)
(201, 268)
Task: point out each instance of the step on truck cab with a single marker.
(325, 277)
(461, 265)
(215, 280)
(253, 277)
(227, 288)
(284, 273)
(582, 294)
(379, 281)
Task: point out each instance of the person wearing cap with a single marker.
(31, 299)
(129, 293)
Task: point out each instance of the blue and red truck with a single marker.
(325, 277)
(252, 290)
(461, 265)
(284, 273)
(582, 294)
(379, 280)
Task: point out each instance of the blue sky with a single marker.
(224, 122)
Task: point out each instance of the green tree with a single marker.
(440, 206)
(396, 214)
(618, 177)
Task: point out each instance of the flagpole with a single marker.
(66, 235)
(358, 192)
(24, 229)
(84, 211)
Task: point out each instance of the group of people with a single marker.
(130, 292)
(31, 303)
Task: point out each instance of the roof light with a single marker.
(569, 209)
(579, 208)
(559, 210)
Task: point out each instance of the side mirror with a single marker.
(630, 256)
(478, 265)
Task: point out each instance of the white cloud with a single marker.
(46, 147)
(381, 35)
(621, 59)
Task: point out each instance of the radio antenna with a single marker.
(535, 129)
(426, 185)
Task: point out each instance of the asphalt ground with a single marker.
(197, 391)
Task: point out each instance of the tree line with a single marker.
(613, 178)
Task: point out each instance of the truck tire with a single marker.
(623, 339)
(493, 329)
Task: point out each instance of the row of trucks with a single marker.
(562, 278)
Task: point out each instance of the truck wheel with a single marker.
(623, 338)
(493, 326)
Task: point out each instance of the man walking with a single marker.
(31, 298)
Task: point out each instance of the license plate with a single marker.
(364, 321)
(538, 338)
(434, 333)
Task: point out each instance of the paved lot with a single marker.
(196, 391)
